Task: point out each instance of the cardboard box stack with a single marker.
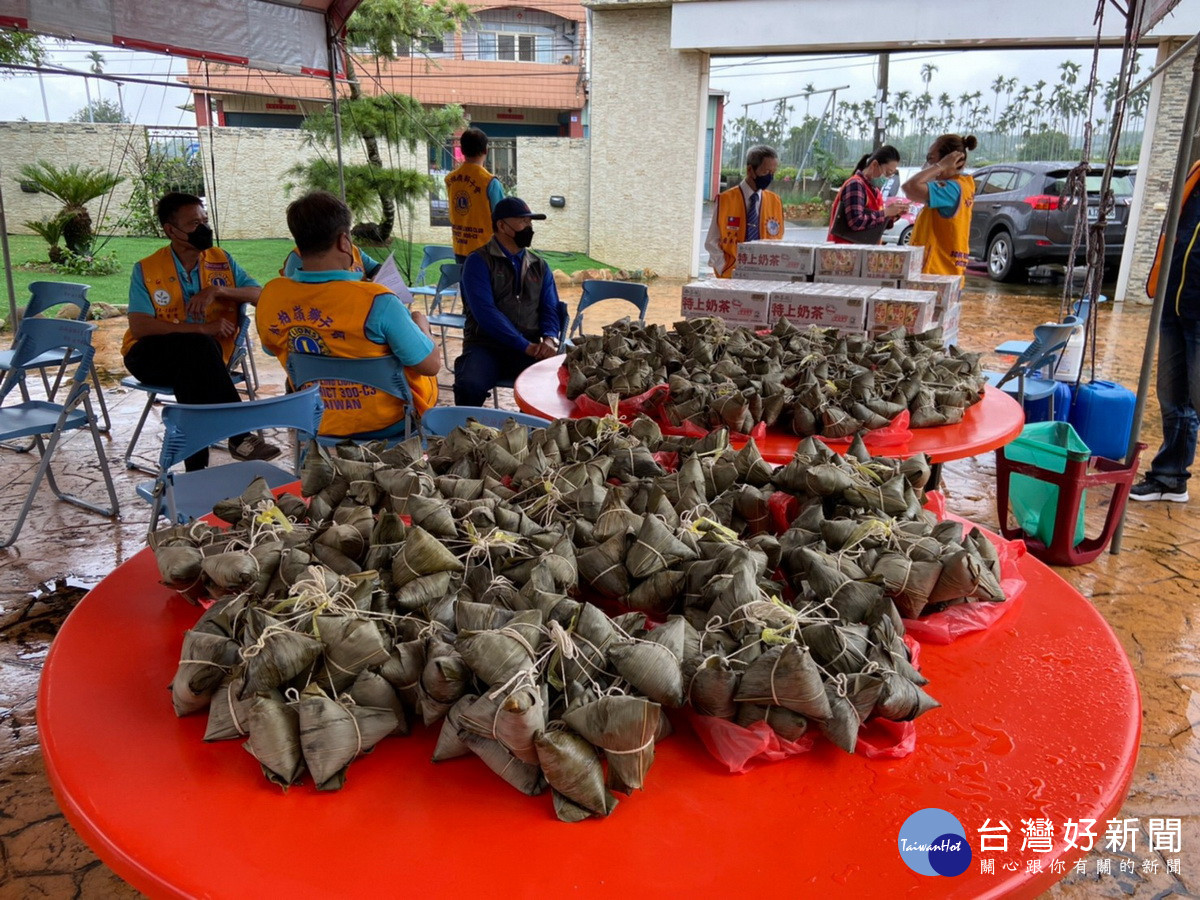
(737, 302)
(851, 287)
(947, 312)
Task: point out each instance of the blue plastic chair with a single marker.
(1079, 316)
(441, 420)
(432, 255)
(42, 419)
(563, 316)
(192, 427)
(1043, 352)
(240, 370)
(385, 373)
(44, 295)
(447, 286)
(597, 291)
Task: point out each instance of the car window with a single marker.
(1122, 185)
(998, 182)
(1023, 178)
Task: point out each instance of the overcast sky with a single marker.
(21, 94)
(747, 79)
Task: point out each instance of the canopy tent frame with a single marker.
(48, 17)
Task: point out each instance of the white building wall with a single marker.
(549, 167)
(647, 121)
(103, 146)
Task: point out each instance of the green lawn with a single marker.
(261, 258)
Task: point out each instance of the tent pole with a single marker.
(8, 279)
(337, 109)
(1182, 164)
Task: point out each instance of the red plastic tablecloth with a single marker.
(1040, 719)
(993, 422)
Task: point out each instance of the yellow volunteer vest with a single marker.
(947, 241)
(1193, 176)
(357, 266)
(166, 293)
(470, 211)
(731, 216)
(330, 319)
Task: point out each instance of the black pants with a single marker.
(478, 369)
(192, 366)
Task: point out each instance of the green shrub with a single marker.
(76, 264)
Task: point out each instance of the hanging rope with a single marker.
(212, 159)
(1075, 192)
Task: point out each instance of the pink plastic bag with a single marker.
(741, 749)
(949, 625)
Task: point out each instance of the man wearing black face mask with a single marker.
(745, 212)
(183, 318)
(511, 306)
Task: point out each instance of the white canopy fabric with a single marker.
(286, 36)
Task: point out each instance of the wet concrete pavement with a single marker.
(1148, 594)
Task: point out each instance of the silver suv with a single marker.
(1019, 218)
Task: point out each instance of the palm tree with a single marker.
(997, 86)
(74, 187)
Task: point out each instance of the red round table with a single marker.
(991, 423)
(1040, 718)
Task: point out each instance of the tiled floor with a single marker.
(1148, 594)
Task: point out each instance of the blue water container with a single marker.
(1103, 416)
(1039, 410)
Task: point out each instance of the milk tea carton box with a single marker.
(890, 308)
(784, 260)
(840, 306)
(736, 302)
(892, 261)
(837, 259)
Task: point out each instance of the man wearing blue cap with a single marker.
(511, 306)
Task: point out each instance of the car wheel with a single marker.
(1001, 262)
(905, 236)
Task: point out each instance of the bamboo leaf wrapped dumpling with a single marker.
(624, 727)
(572, 768)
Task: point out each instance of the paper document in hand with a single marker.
(389, 276)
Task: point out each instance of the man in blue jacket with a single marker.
(511, 306)
(1178, 356)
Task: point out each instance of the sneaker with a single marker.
(253, 447)
(1149, 489)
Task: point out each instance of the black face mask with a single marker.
(762, 182)
(201, 238)
(524, 237)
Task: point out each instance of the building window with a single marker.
(509, 47)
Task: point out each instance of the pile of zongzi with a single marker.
(454, 583)
(808, 381)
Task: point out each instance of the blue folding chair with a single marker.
(39, 419)
(385, 373)
(240, 370)
(447, 286)
(189, 428)
(563, 316)
(1079, 316)
(432, 255)
(441, 420)
(1021, 380)
(44, 295)
(597, 291)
